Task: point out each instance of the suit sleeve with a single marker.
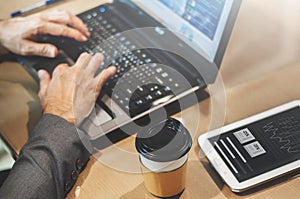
(49, 163)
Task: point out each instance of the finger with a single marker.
(61, 30)
(65, 17)
(104, 76)
(83, 60)
(32, 48)
(95, 62)
(44, 83)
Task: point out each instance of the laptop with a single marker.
(164, 51)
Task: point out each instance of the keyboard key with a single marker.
(164, 75)
(147, 61)
(159, 70)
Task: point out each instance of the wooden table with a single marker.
(260, 70)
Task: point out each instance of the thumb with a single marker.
(44, 83)
(39, 49)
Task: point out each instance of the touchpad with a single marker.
(100, 116)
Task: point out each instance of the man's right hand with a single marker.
(72, 91)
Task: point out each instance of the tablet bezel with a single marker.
(223, 169)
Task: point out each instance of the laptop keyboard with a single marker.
(140, 82)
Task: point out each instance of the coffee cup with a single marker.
(163, 153)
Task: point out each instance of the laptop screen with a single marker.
(202, 22)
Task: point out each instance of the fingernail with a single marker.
(112, 69)
(41, 74)
(100, 55)
(84, 38)
(51, 52)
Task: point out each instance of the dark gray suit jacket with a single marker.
(49, 163)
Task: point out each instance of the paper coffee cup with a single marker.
(163, 153)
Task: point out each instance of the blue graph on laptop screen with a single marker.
(202, 14)
(202, 22)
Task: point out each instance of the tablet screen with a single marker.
(261, 146)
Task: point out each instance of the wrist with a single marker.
(61, 111)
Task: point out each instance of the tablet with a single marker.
(257, 149)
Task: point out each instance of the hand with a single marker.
(72, 91)
(18, 34)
